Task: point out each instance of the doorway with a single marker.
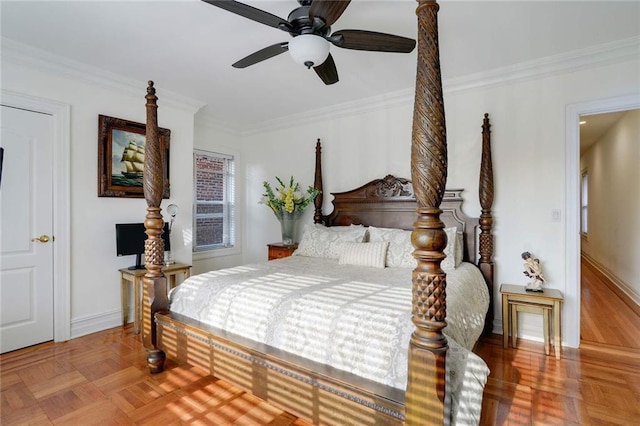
(609, 204)
(60, 189)
(572, 317)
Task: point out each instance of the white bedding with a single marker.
(353, 318)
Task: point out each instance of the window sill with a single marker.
(208, 254)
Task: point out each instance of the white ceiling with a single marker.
(593, 127)
(187, 46)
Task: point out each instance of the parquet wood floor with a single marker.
(102, 379)
(593, 385)
(598, 384)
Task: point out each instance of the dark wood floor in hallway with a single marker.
(606, 319)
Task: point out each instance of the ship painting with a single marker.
(133, 159)
(127, 158)
(121, 156)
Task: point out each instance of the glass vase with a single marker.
(288, 226)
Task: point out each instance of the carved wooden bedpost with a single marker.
(485, 263)
(155, 283)
(317, 184)
(425, 396)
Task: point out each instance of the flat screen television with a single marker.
(130, 238)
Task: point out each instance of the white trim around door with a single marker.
(61, 203)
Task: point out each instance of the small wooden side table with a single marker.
(134, 277)
(280, 250)
(548, 303)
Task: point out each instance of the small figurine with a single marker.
(533, 270)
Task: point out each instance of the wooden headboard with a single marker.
(391, 203)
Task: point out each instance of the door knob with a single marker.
(42, 238)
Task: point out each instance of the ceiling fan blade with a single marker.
(262, 54)
(327, 71)
(328, 10)
(252, 13)
(371, 40)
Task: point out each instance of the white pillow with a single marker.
(400, 251)
(364, 254)
(449, 262)
(459, 249)
(320, 241)
(340, 227)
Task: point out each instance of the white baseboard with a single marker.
(529, 328)
(623, 287)
(94, 323)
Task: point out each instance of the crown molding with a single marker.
(591, 57)
(594, 56)
(204, 117)
(22, 54)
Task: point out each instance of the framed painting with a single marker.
(121, 145)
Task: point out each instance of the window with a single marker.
(584, 203)
(214, 201)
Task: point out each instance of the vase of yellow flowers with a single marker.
(287, 203)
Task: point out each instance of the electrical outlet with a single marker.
(556, 214)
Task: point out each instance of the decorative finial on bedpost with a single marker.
(317, 184)
(155, 290)
(428, 346)
(485, 263)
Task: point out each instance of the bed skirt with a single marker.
(307, 389)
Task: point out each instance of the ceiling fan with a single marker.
(310, 26)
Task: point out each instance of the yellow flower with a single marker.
(288, 200)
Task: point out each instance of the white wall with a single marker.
(613, 240)
(360, 143)
(528, 118)
(285, 152)
(95, 280)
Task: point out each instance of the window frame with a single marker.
(584, 203)
(230, 210)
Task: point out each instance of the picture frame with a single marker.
(121, 146)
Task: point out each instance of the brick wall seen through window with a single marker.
(214, 225)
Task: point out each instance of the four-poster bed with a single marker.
(317, 391)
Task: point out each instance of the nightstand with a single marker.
(280, 250)
(548, 303)
(135, 277)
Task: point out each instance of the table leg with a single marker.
(514, 325)
(124, 296)
(137, 302)
(505, 321)
(545, 325)
(557, 328)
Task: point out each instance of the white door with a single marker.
(26, 226)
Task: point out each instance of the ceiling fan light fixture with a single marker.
(309, 50)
